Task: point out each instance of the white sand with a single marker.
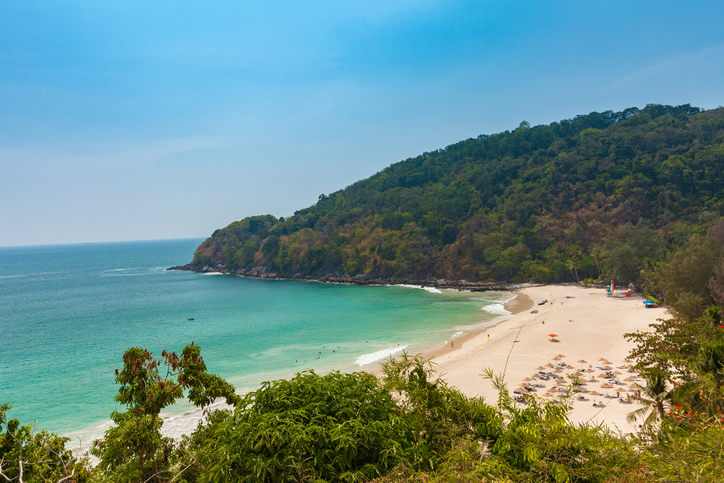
(590, 326)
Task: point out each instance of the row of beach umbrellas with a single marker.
(526, 386)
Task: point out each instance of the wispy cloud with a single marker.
(690, 62)
(100, 158)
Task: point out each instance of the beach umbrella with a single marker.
(568, 366)
(561, 355)
(552, 335)
(607, 368)
(582, 361)
(602, 359)
(618, 373)
(527, 379)
(590, 370)
(540, 368)
(595, 393)
(606, 386)
(630, 379)
(551, 365)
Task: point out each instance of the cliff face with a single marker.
(531, 204)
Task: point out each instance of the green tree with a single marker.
(623, 255)
(684, 277)
(29, 456)
(134, 449)
(655, 396)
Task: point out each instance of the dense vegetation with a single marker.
(571, 199)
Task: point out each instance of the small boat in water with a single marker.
(190, 318)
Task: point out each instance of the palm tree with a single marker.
(656, 398)
(573, 264)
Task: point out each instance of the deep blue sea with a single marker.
(68, 312)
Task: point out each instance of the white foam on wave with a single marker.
(496, 309)
(426, 289)
(366, 359)
(457, 333)
(213, 273)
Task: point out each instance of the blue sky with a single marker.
(147, 120)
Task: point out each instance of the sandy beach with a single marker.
(588, 326)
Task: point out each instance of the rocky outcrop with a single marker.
(439, 283)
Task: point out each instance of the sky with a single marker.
(169, 119)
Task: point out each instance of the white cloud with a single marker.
(690, 63)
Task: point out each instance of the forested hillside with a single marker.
(544, 203)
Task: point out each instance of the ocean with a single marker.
(68, 313)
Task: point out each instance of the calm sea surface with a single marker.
(68, 312)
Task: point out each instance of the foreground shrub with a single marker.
(29, 457)
(687, 448)
(338, 427)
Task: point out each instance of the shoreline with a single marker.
(438, 283)
(520, 303)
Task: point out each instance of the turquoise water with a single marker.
(67, 314)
